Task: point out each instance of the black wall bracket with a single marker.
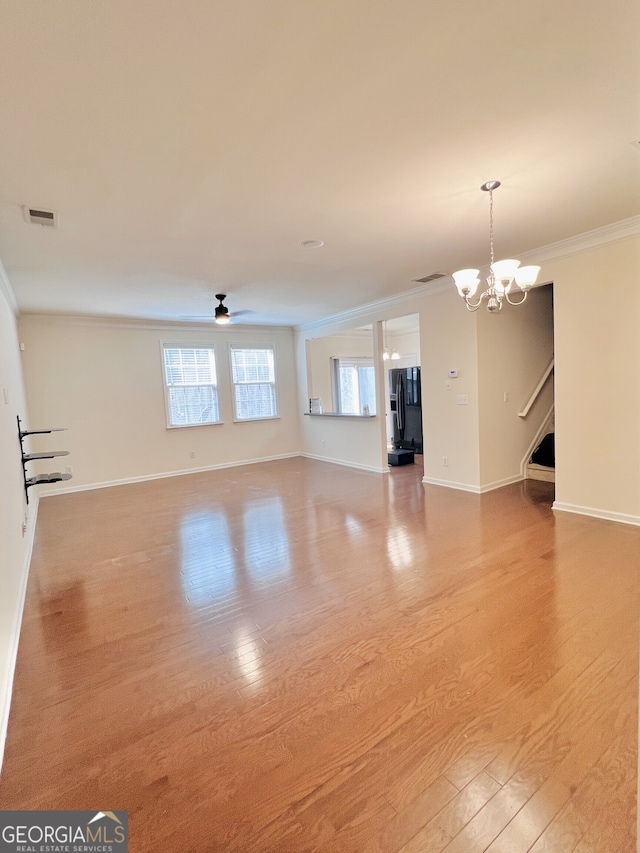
(28, 457)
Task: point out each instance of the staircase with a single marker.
(541, 472)
(541, 465)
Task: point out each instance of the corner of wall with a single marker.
(8, 665)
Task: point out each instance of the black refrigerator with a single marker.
(406, 408)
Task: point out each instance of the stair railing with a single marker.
(537, 390)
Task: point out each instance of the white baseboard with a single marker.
(346, 463)
(6, 679)
(592, 512)
(498, 484)
(476, 490)
(144, 477)
(450, 484)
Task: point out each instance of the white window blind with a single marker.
(190, 386)
(254, 382)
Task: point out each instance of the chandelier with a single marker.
(394, 355)
(502, 274)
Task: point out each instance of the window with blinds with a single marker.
(190, 385)
(254, 383)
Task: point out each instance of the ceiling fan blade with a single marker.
(197, 318)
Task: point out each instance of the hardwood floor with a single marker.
(295, 656)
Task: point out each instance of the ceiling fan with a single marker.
(221, 315)
(222, 312)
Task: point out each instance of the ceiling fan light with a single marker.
(526, 277)
(222, 315)
(466, 281)
(222, 312)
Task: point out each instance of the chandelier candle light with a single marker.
(395, 355)
(502, 274)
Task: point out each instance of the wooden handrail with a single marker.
(537, 390)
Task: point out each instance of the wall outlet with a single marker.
(505, 397)
(68, 470)
(448, 385)
(192, 454)
(323, 442)
(462, 400)
(445, 461)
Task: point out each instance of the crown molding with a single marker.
(148, 325)
(363, 311)
(7, 290)
(553, 251)
(587, 240)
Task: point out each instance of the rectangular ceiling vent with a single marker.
(433, 277)
(41, 217)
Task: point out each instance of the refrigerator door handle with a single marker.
(400, 402)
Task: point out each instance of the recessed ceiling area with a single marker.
(191, 148)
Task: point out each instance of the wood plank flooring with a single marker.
(296, 656)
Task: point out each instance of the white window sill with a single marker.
(253, 420)
(194, 426)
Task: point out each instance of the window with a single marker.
(354, 385)
(254, 382)
(191, 391)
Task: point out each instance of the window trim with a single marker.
(165, 386)
(357, 361)
(247, 345)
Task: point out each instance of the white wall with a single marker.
(449, 340)
(103, 381)
(359, 442)
(15, 548)
(514, 349)
(597, 349)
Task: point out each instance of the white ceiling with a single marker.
(189, 147)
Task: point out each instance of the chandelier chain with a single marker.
(491, 223)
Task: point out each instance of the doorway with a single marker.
(401, 339)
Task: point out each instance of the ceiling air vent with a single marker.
(432, 277)
(40, 217)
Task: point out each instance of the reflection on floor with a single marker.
(297, 656)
